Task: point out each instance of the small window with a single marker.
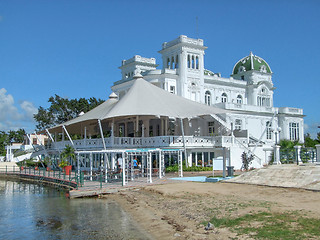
(242, 77)
(241, 69)
(238, 124)
(263, 69)
(211, 128)
(224, 97)
(207, 99)
(34, 141)
(172, 89)
(239, 99)
(268, 130)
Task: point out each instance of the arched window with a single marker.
(268, 130)
(241, 69)
(207, 98)
(263, 69)
(193, 62)
(239, 99)
(177, 62)
(197, 62)
(189, 62)
(224, 97)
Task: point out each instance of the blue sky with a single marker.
(74, 48)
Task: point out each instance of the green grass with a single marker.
(266, 225)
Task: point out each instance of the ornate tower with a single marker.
(185, 56)
(257, 72)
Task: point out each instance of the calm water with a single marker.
(29, 211)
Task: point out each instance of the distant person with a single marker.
(135, 163)
(120, 163)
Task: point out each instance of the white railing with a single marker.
(152, 142)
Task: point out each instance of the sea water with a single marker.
(31, 211)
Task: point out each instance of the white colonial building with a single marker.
(184, 110)
(248, 93)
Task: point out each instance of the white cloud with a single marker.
(29, 109)
(12, 117)
(7, 108)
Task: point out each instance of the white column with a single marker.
(189, 158)
(90, 158)
(123, 170)
(112, 133)
(78, 164)
(136, 134)
(298, 150)
(105, 167)
(146, 125)
(112, 161)
(166, 126)
(276, 155)
(318, 153)
(224, 162)
(160, 164)
(180, 164)
(142, 130)
(149, 164)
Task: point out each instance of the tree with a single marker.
(62, 110)
(66, 156)
(9, 137)
(308, 141)
(246, 160)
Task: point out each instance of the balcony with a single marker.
(245, 107)
(150, 142)
(288, 110)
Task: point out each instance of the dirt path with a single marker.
(176, 211)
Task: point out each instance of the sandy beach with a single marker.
(177, 210)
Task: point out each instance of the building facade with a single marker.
(247, 93)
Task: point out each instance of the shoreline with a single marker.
(177, 210)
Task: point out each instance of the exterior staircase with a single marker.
(306, 176)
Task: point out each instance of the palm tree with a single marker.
(67, 155)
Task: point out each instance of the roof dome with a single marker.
(251, 62)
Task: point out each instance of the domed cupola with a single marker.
(249, 63)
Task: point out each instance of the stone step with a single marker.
(287, 175)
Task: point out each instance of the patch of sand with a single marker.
(176, 210)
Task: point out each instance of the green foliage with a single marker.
(63, 163)
(266, 225)
(287, 144)
(10, 137)
(175, 168)
(309, 142)
(28, 163)
(67, 155)
(62, 110)
(246, 160)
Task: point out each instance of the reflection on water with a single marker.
(30, 211)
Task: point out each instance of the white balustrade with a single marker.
(151, 142)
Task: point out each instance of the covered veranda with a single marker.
(124, 165)
(146, 122)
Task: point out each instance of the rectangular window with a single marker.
(210, 128)
(172, 89)
(294, 131)
(238, 124)
(268, 130)
(34, 141)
